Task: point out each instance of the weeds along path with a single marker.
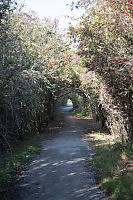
(60, 172)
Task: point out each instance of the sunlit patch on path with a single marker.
(59, 172)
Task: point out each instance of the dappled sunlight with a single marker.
(101, 139)
(61, 169)
(39, 161)
(42, 165)
(74, 131)
(85, 76)
(64, 174)
(75, 160)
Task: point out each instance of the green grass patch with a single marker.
(110, 174)
(10, 164)
(78, 113)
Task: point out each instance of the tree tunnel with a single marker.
(42, 71)
(81, 104)
(93, 95)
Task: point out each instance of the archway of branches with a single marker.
(82, 103)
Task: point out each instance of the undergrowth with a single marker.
(114, 169)
(80, 113)
(10, 164)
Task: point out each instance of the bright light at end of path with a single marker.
(69, 102)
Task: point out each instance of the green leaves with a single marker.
(104, 43)
(35, 68)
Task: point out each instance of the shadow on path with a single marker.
(59, 172)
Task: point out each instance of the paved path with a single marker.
(59, 172)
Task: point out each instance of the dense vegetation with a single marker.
(39, 70)
(33, 72)
(104, 40)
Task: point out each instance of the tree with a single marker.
(104, 43)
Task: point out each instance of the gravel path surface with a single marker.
(60, 172)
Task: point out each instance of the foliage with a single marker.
(40, 70)
(34, 70)
(112, 171)
(104, 42)
(81, 114)
(10, 164)
(37, 68)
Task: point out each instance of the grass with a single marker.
(78, 113)
(113, 164)
(10, 164)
